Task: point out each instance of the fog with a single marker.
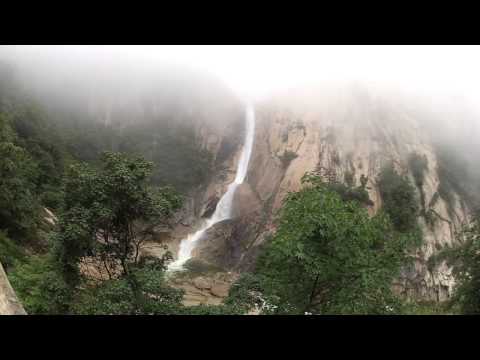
(445, 80)
(258, 71)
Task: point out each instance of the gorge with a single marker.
(155, 189)
(223, 208)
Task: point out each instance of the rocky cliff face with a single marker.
(332, 134)
(9, 304)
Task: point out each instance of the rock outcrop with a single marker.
(355, 134)
(206, 289)
(337, 135)
(9, 303)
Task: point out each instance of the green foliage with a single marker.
(117, 297)
(329, 257)
(363, 181)
(31, 168)
(206, 310)
(174, 150)
(348, 193)
(287, 157)
(349, 179)
(257, 291)
(465, 260)
(430, 217)
(418, 165)
(40, 286)
(106, 211)
(427, 308)
(39, 138)
(399, 200)
(19, 208)
(42, 290)
(10, 252)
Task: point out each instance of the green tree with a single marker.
(465, 260)
(399, 200)
(117, 297)
(40, 285)
(37, 135)
(19, 209)
(108, 212)
(329, 257)
(10, 252)
(418, 165)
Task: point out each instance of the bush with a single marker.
(465, 261)
(40, 286)
(399, 200)
(346, 191)
(349, 178)
(117, 297)
(351, 194)
(418, 165)
(10, 253)
(287, 157)
(327, 257)
(207, 310)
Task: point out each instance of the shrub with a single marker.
(40, 286)
(287, 157)
(351, 194)
(327, 257)
(10, 253)
(399, 199)
(349, 178)
(418, 165)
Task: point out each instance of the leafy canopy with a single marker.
(109, 212)
(329, 257)
(465, 260)
(399, 200)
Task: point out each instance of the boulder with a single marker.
(220, 289)
(202, 283)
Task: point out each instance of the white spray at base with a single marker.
(224, 206)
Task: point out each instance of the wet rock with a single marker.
(245, 201)
(202, 283)
(210, 207)
(225, 243)
(220, 289)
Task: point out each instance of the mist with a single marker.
(116, 160)
(441, 83)
(258, 71)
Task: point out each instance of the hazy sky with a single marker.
(257, 70)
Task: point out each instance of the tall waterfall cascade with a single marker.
(223, 210)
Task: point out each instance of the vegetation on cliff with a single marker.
(349, 192)
(419, 165)
(399, 200)
(465, 261)
(329, 257)
(107, 212)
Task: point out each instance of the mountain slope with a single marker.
(350, 134)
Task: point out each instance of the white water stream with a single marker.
(224, 206)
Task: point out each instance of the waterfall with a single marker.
(224, 206)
